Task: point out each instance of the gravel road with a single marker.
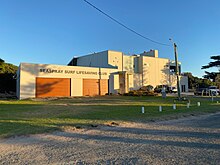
(194, 140)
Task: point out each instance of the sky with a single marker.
(55, 31)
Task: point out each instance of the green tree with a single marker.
(7, 72)
(1, 60)
(216, 64)
(195, 82)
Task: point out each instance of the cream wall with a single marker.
(137, 80)
(76, 87)
(140, 71)
(114, 83)
(130, 82)
(146, 68)
(29, 72)
(128, 63)
(115, 59)
(173, 80)
(155, 71)
(151, 53)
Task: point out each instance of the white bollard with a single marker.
(212, 99)
(142, 110)
(174, 106)
(160, 108)
(217, 102)
(198, 104)
(187, 105)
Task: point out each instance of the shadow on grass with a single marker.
(8, 129)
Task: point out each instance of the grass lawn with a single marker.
(43, 115)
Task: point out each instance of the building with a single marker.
(134, 71)
(107, 72)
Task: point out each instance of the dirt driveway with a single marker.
(194, 140)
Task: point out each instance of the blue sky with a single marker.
(53, 31)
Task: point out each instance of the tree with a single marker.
(217, 80)
(7, 82)
(195, 82)
(210, 75)
(215, 63)
(1, 60)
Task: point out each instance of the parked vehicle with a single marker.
(159, 88)
(213, 90)
(168, 89)
(172, 89)
(201, 91)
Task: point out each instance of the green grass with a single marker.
(38, 116)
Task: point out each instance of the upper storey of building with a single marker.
(130, 63)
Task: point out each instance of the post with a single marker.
(142, 110)
(99, 81)
(177, 70)
(160, 108)
(187, 105)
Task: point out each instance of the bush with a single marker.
(147, 88)
(140, 92)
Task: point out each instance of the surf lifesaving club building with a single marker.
(107, 72)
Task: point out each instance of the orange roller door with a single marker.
(91, 87)
(52, 87)
(104, 86)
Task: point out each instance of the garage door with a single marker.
(104, 87)
(91, 87)
(52, 87)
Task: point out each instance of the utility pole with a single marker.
(177, 70)
(100, 81)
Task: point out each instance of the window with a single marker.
(183, 87)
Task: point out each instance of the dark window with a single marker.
(183, 88)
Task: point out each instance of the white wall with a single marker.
(184, 81)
